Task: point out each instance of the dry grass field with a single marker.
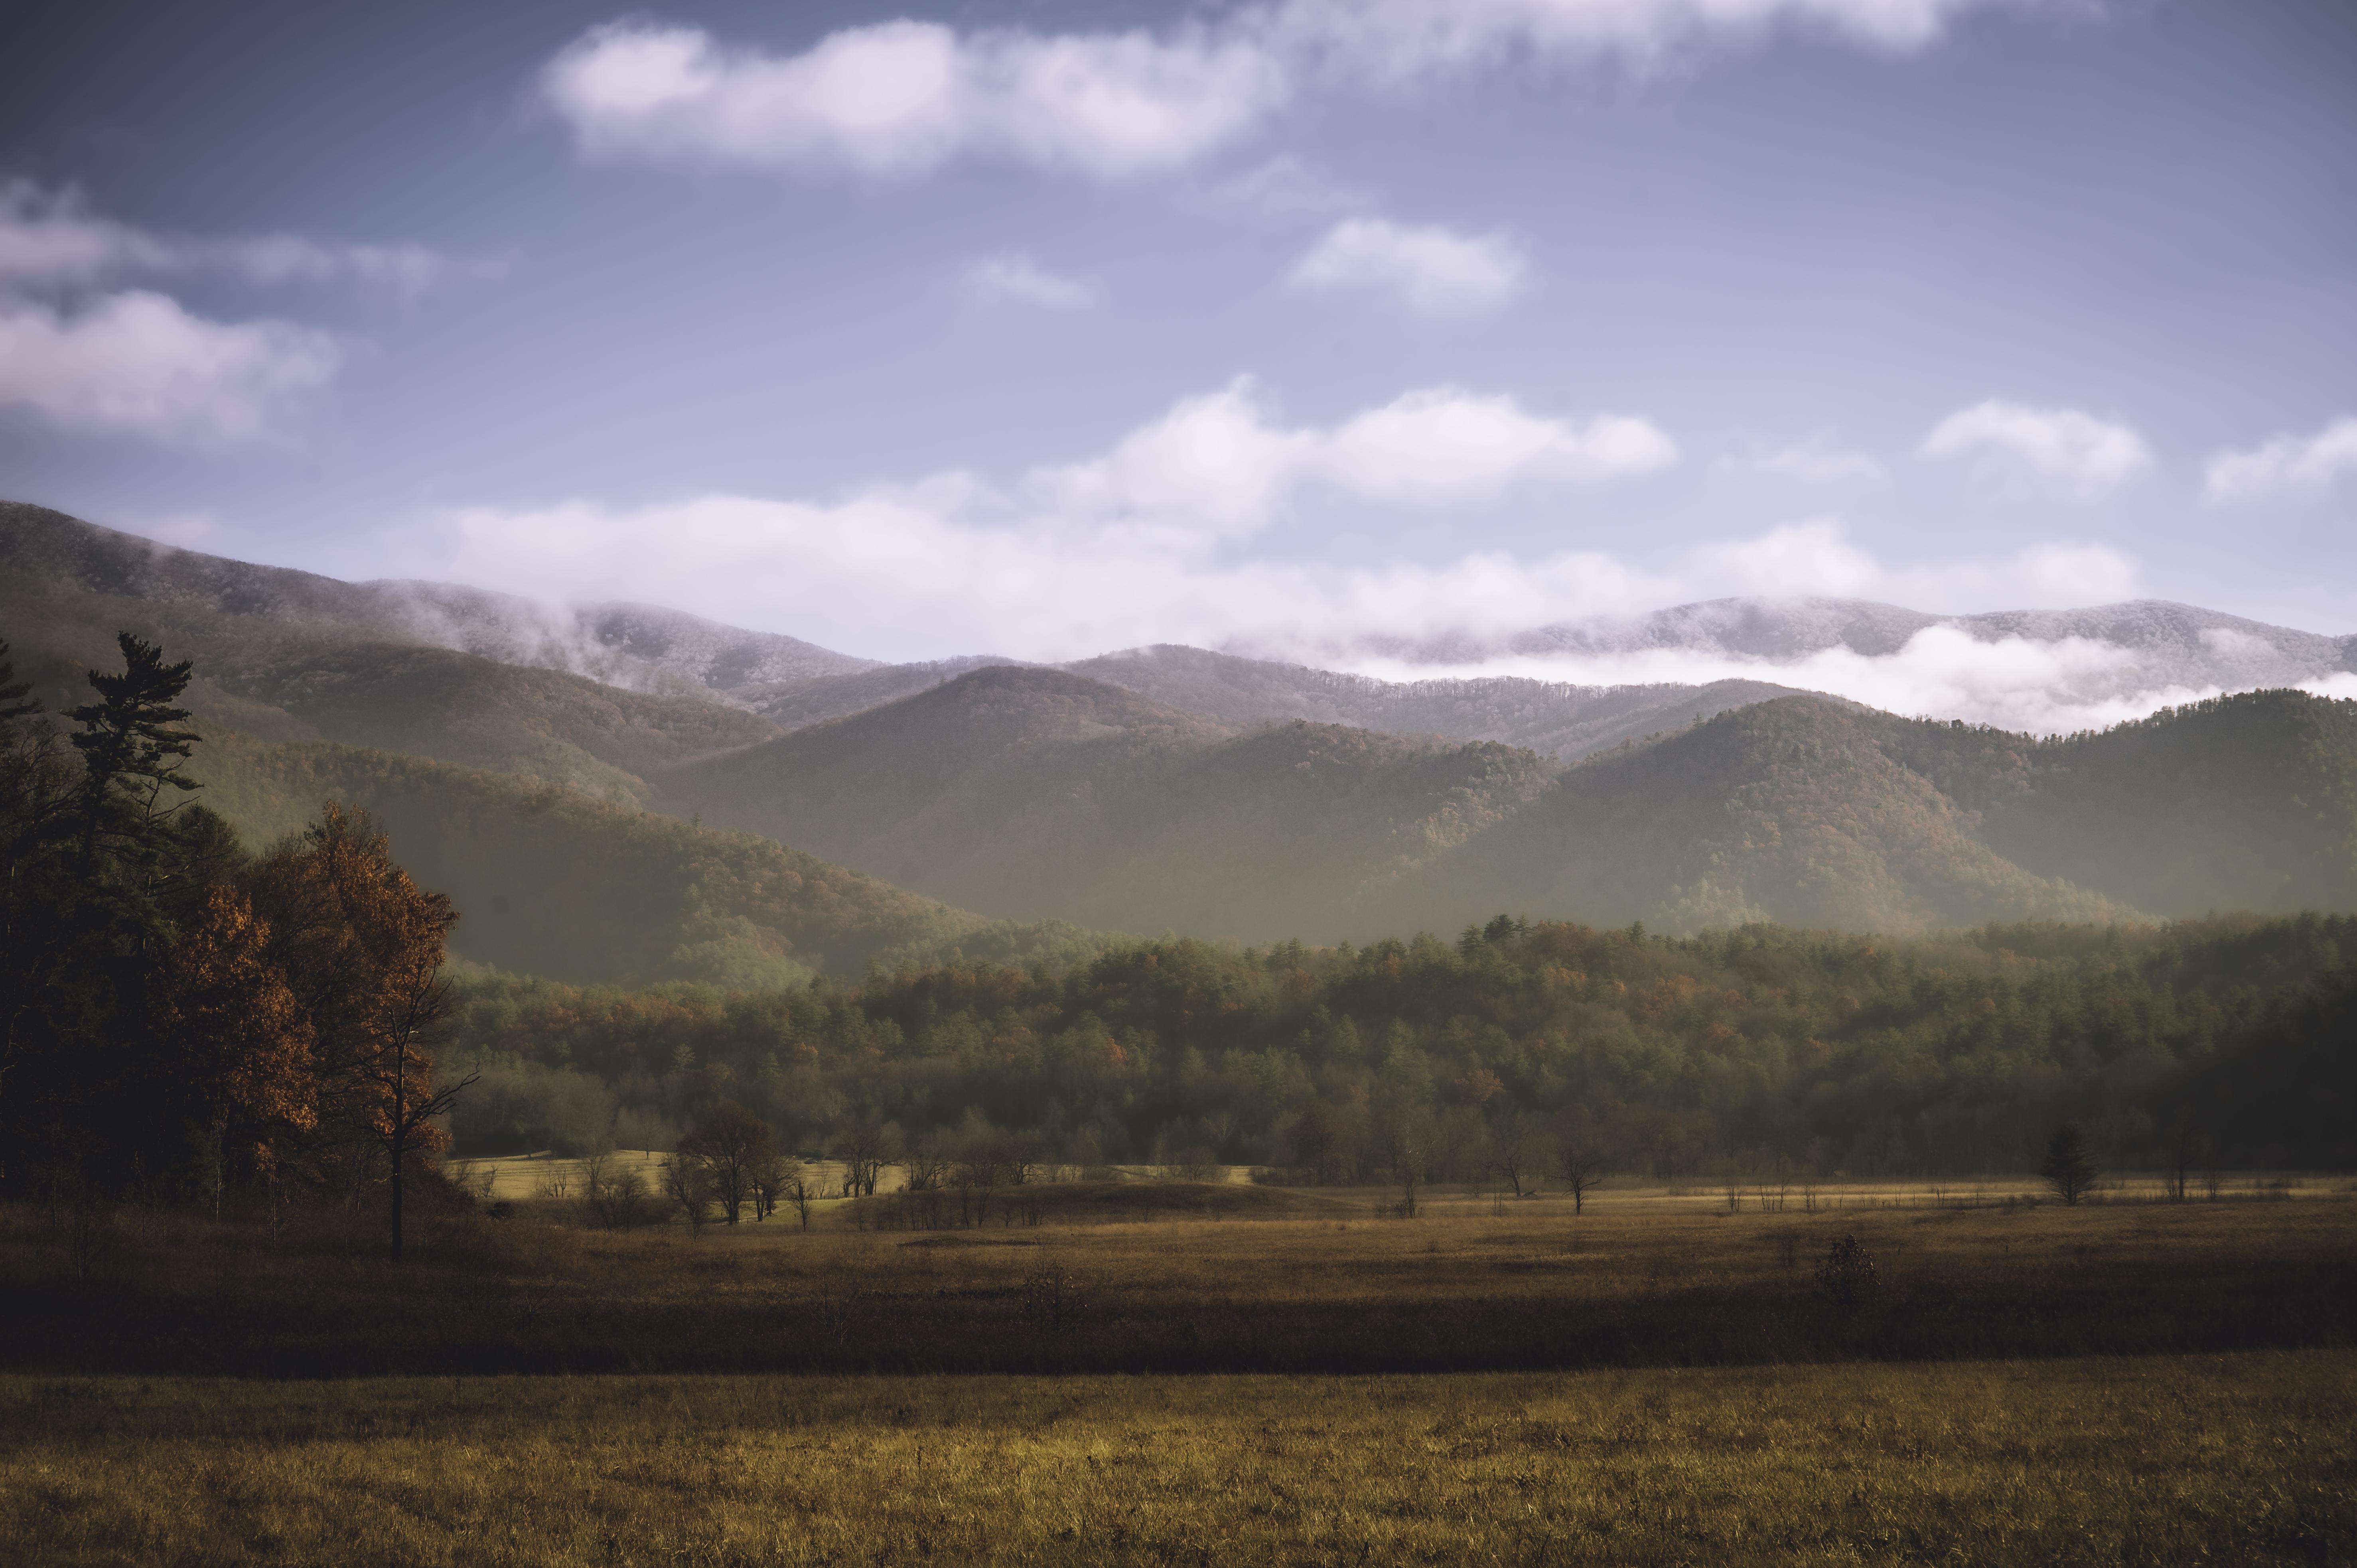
(1194, 1374)
(2247, 1458)
(1148, 1278)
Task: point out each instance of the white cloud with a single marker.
(1818, 460)
(1016, 279)
(958, 559)
(1433, 271)
(1221, 464)
(2289, 468)
(1284, 186)
(1394, 40)
(904, 97)
(50, 240)
(2088, 454)
(1813, 559)
(136, 363)
(1942, 671)
(281, 258)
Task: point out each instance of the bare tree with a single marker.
(864, 1147)
(613, 1193)
(797, 1188)
(1580, 1167)
(1406, 1148)
(1515, 1156)
(769, 1174)
(927, 1167)
(2067, 1167)
(685, 1183)
(733, 1147)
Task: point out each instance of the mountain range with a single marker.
(624, 793)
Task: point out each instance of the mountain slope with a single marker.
(2241, 802)
(1786, 811)
(550, 882)
(291, 657)
(1811, 813)
(1567, 722)
(1032, 792)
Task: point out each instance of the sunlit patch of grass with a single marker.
(2245, 1458)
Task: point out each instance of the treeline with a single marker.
(181, 1020)
(2226, 1040)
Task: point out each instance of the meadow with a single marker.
(2246, 1458)
(1173, 1372)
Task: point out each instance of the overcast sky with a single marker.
(1043, 328)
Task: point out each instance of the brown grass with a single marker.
(2245, 1459)
(1455, 1293)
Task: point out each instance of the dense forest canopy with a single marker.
(1755, 1048)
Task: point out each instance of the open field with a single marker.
(526, 1178)
(1144, 1281)
(2248, 1458)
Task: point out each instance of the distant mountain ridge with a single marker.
(1174, 788)
(2176, 644)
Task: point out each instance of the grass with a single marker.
(1632, 1286)
(2248, 1458)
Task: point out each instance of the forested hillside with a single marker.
(1748, 1052)
(550, 881)
(1042, 793)
(1818, 814)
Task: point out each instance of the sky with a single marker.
(1305, 327)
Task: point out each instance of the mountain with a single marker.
(1562, 720)
(291, 657)
(1029, 792)
(1813, 813)
(2173, 645)
(1172, 787)
(552, 883)
(46, 553)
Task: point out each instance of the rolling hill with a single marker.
(1040, 792)
(550, 882)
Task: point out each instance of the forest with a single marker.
(1761, 1048)
(185, 1021)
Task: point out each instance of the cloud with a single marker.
(1221, 463)
(1818, 460)
(49, 238)
(903, 97)
(953, 556)
(906, 97)
(2044, 687)
(1389, 40)
(136, 363)
(1433, 271)
(1284, 186)
(1813, 559)
(51, 241)
(1016, 279)
(281, 258)
(2286, 469)
(2089, 455)
(1151, 539)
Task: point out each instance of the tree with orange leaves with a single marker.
(362, 948)
(230, 1037)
